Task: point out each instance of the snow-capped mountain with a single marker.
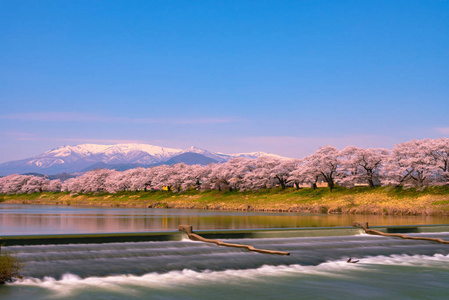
(83, 157)
(138, 153)
(215, 156)
(249, 155)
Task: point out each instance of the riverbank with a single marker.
(359, 200)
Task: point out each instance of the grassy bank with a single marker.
(359, 200)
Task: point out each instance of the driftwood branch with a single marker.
(195, 237)
(402, 236)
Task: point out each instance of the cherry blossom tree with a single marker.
(221, 177)
(176, 176)
(148, 179)
(304, 175)
(169, 177)
(194, 177)
(17, 184)
(90, 182)
(278, 169)
(55, 186)
(410, 163)
(138, 177)
(116, 181)
(238, 170)
(361, 165)
(439, 149)
(35, 184)
(324, 163)
(160, 176)
(12, 184)
(255, 176)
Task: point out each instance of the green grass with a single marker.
(304, 194)
(442, 202)
(10, 267)
(401, 192)
(355, 200)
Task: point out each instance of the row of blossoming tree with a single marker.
(417, 163)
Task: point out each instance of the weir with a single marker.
(167, 252)
(16, 240)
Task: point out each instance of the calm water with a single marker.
(389, 268)
(36, 219)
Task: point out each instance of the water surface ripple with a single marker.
(316, 268)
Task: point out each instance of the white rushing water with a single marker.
(317, 268)
(372, 278)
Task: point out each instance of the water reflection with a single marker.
(35, 219)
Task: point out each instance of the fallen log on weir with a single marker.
(402, 236)
(195, 237)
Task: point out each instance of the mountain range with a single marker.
(85, 157)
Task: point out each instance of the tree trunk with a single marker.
(282, 184)
(331, 184)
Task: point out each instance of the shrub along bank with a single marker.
(10, 267)
(358, 200)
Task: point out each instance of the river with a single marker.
(388, 268)
(41, 219)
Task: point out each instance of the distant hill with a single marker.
(187, 158)
(118, 167)
(85, 157)
(35, 174)
(62, 176)
(191, 159)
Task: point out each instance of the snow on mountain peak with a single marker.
(83, 150)
(194, 149)
(79, 157)
(92, 149)
(256, 155)
(125, 149)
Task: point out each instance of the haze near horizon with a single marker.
(278, 77)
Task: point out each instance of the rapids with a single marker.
(316, 268)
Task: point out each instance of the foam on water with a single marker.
(69, 282)
(437, 260)
(123, 284)
(195, 270)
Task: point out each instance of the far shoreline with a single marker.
(359, 200)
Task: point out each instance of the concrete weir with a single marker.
(95, 238)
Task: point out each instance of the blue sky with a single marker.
(233, 76)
